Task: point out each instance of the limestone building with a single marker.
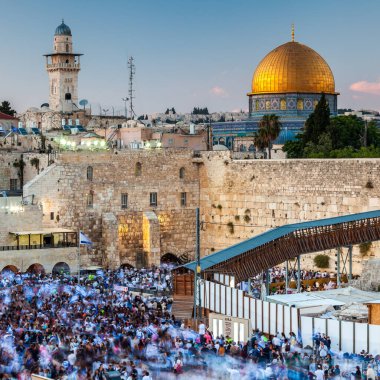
(63, 66)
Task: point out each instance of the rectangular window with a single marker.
(153, 199)
(52, 216)
(183, 199)
(124, 200)
(13, 184)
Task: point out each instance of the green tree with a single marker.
(6, 108)
(36, 163)
(269, 130)
(317, 122)
(173, 110)
(294, 148)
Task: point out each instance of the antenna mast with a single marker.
(132, 71)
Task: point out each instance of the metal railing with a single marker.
(63, 66)
(35, 246)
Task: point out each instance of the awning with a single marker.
(43, 231)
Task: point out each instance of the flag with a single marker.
(83, 239)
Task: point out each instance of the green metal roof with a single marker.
(268, 236)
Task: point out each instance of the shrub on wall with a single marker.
(364, 248)
(322, 261)
(230, 226)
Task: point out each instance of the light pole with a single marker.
(125, 100)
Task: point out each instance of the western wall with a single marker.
(238, 200)
(242, 198)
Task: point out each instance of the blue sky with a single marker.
(187, 53)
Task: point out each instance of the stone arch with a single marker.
(36, 269)
(61, 268)
(222, 141)
(170, 258)
(10, 268)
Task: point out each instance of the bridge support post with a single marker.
(350, 262)
(267, 282)
(338, 267)
(298, 273)
(286, 277)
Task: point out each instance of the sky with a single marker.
(188, 53)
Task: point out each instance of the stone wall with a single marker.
(65, 190)
(242, 198)
(8, 171)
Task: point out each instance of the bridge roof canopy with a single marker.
(256, 242)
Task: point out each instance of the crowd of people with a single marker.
(54, 327)
(321, 281)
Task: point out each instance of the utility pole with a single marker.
(132, 71)
(197, 272)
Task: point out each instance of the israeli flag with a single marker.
(83, 239)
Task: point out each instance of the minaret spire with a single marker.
(292, 32)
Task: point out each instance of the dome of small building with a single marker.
(62, 30)
(293, 68)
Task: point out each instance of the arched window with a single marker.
(300, 104)
(138, 169)
(283, 104)
(90, 199)
(67, 48)
(90, 173)
(182, 173)
(242, 148)
(257, 105)
(222, 141)
(252, 148)
(267, 105)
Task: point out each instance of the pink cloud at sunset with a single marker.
(366, 87)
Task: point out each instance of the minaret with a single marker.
(63, 67)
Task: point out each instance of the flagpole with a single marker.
(78, 257)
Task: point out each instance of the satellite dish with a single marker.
(83, 103)
(45, 105)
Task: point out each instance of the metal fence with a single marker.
(270, 318)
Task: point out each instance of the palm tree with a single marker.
(269, 129)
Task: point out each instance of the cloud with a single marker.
(366, 87)
(219, 91)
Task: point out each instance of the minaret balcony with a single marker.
(63, 65)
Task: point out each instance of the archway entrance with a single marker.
(36, 269)
(61, 268)
(170, 258)
(126, 266)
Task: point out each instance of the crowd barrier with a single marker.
(270, 318)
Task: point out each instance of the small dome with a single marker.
(293, 67)
(62, 30)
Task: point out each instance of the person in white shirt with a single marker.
(319, 374)
(202, 331)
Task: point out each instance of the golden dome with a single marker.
(293, 67)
